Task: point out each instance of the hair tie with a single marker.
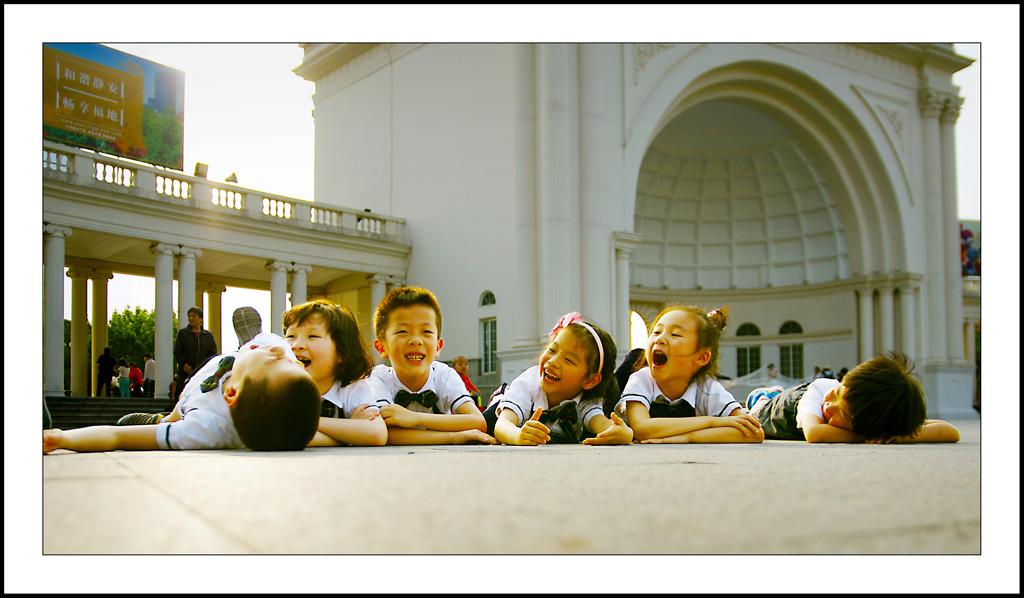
(575, 318)
(713, 313)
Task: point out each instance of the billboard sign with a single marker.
(102, 99)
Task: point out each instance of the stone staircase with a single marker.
(78, 412)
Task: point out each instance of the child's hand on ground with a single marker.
(746, 423)
(52, 440)
(533, 432)
(618, 433)
(473, 436)
(399, 417)
(365, 412)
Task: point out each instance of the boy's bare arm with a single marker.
(816, 430)
(358, 432)
(102, 438)
(466, 417)
(417, 436)
(933, 430)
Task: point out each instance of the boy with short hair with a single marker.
(423, 401)
(258, 397)
(878, 402)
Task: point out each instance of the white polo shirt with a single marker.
(707, 398)
(524, 395)
(442, 379)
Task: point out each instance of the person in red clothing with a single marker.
(135, 378)
(461, 365)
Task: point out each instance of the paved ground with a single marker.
(779, 498)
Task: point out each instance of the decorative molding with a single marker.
(892, 115)
(192, 252)
(931, 102)
(642, 53)
(164, 249)
(951, 108)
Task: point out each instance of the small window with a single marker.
(487, 298)
(489, 346)
(791, 327)
(748, 359)
(792, 360)
(748, 329)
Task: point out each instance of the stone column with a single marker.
(80, 369)
(866, 323)
(908, 316)
(934, 298)
(558, 191)
(278, 291)
(886, 318)
(394, 282)
(378, 288)
(100, 278)
(601, 180)
(525, 335)
(214, 316)
(187, 282)
(163, 332)
(970, 325)
(299, 272)
(951, 226)
(53, 308)
(625, 245)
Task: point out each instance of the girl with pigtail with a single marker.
(673, 395)
(565, 397)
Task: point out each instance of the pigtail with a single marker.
(718, 317)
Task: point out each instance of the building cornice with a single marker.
(320, 59)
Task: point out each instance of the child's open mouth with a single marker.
(548, 377)
(304, 361)
(415, 357)
(658, 359)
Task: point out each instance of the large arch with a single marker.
(859, 179)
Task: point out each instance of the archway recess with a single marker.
(763, 177)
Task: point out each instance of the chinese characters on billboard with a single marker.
(112, 102)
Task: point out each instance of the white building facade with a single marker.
(809, 187)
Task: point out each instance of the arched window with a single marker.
(791, 356)
(748, 359)
(791, 327)
(748, 329)
(487, 298)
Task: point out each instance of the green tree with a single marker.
(130, 334)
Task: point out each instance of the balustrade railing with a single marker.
(75, 165)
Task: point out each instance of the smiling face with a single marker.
(315, 349)
(411, 341)
(673, 352)
(563, 368)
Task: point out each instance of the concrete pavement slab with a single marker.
(776, 498)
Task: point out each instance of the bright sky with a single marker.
(247, 113)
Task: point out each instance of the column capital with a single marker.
(951, 108)
(396, 281)
(278, 266)
(164, 249)
(215, 287)
(301, 268)
(100, 274)
(79, 272)
(931, 102)
(378, 279)
(626, 242)
(56, 230)
(193, 252)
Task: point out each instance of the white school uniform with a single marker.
(813, 401)
(524, 395)
(708, 397)
(206, 421)
(443, 380)
(349, 398)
